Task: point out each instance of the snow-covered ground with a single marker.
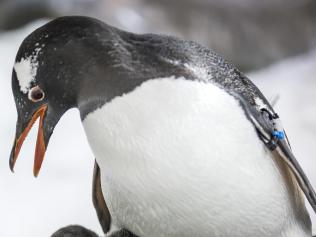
(61, 195)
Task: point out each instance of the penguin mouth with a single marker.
(40, 142)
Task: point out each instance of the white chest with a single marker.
(179, 158)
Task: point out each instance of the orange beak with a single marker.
(40, 144)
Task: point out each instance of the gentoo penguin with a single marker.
(186, 144)
(79, 231)
(74, 231)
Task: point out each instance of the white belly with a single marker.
(179, 158)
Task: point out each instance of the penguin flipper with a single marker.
(98, 200)
(270, 131)
(101, 207)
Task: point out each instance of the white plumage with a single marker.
(179, 158)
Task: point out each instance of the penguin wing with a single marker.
(270, 131)
(98, 200)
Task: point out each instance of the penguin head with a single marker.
(46, 80)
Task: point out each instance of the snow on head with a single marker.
(26, 70)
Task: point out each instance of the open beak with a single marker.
(40, 142)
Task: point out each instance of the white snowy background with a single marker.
(61, 195)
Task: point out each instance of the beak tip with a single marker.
(12, 169)
(11, 164)
(35, 173)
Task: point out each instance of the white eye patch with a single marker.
(26, 71)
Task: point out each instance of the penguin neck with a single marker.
(89, 71)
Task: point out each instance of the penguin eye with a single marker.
(36, 94)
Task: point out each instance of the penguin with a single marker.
(74, 231)
(80, 231)
(185, 144)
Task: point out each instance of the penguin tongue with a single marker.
(40, 144)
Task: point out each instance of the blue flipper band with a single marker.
(278, 134)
